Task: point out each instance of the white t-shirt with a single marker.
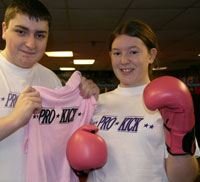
(135, 138)
(13, 80)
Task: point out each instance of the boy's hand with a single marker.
(89, 88)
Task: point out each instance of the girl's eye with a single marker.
(116, 53)
(133, 52)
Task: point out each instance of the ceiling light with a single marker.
(67, 69)
(84, 61)
(199, 54)
(59, 53)
(159, 68)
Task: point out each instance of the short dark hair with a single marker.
(139, 29)
(33, 8)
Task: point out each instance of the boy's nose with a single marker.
(31, 42)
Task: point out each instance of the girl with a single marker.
(135, 135)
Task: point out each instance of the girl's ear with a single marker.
(152, 55)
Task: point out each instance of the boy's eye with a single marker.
(40, 36)
(20, 32)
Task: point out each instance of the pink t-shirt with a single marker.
(47, 133)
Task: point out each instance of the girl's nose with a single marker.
(124, 59)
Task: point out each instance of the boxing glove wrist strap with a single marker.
(80, 173)
(180, 143)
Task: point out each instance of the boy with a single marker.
(25, 30)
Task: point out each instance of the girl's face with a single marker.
(130, 59)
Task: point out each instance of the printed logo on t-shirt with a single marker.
(48, 115)
(10, 100)
(128, 124)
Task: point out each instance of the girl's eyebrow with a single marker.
(114, 49)
(131, 47)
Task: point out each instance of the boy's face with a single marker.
(26, 40)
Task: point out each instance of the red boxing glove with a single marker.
(86, 150)
(173, 99)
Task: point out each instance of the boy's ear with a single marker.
(4, 27)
